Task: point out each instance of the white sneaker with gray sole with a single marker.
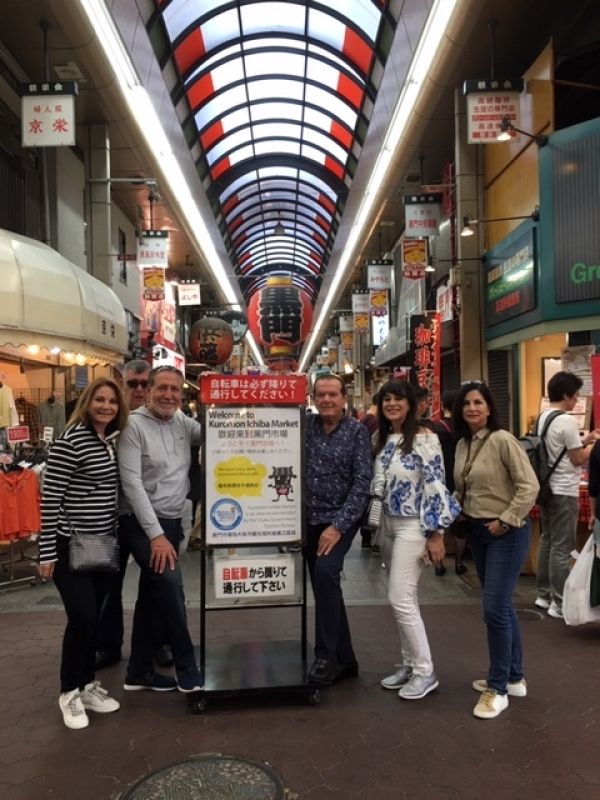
(398, 679)
(514, 688)
(418, 686)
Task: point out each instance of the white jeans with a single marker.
(404, 545)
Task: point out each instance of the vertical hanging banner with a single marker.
(154, 283)
(361, 309)
(444, 303)
(422, 214)
(425, 356)
(488, 103)
(48, 114)
(379, 274)
(414, 258)
(188, 293)
(152, 250)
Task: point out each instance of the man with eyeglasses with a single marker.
(154, 460)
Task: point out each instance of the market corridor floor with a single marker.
(359, 742)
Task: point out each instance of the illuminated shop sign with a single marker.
(510, 279)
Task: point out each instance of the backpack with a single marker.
(535, 448)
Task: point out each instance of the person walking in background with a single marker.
(110, 632)
(498, 487)
(409, 474)
(80, 494)
(338, 474)
(559, 516)
(154, 454)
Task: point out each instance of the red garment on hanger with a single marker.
(19, 505)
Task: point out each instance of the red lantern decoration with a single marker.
(280, 314)
(211, 341)
(281, 358)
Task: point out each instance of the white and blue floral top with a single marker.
(413, 484)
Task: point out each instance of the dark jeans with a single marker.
(161, 595)
(332, 632)
(498, 560)
(82, 595)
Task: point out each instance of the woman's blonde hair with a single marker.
(81, 412)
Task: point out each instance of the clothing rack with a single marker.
(37, 396)
(7, 564)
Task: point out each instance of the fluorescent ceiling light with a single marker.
(432, 35)
(152, 131)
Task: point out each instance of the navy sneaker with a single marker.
(153, 681)
(189, 681)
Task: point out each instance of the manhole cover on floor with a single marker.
(210, 777)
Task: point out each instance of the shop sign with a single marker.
(17, 433)
(422, 214)
(414, 258)
(346, 324)
(48, 114)
(488, 102)
(188, 294)
(379, 274)
(361, 309)
(152, 249)
(154, 283)
(254, 577)
(253, 473)
(48, 434)
(510, 279)
(444, 303)
(241, 389)
(425, 353)
(575, 219)
(361, 323)
(380, 328)
(378, 302)
(578, 361)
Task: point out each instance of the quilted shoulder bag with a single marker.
(93, 552)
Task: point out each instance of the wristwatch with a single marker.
(503, 526)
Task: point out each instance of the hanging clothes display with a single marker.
(8, 411)
(19, 504)
(52, 414)
(28, 415)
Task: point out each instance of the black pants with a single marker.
(160, 595)
(332, 632)
(82, 595)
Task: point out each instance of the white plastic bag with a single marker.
(576, 594)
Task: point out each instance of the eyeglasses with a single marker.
(133, 383)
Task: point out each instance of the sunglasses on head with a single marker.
(166, 368)
(133, 383)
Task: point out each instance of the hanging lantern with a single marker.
(281, 358)
(211, 341)
(280, 313)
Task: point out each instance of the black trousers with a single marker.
(82, 595)
(332, 632)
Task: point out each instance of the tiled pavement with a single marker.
(360, 742)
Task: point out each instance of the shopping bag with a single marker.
(576, 606)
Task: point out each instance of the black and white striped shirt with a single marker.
(80, 487)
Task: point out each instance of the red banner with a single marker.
(18, 433)
(253, 390)
(425, 346)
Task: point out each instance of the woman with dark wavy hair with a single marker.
(497, 487)
(409, 476)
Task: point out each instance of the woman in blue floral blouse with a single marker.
(409, 476)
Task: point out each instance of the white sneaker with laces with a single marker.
(490, 704)
(73, 712)
(95, 698)
(398, 679)
(555, 611)
(418, 686)
(514, 688)
(541, 603)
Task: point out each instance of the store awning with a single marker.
(48, 303)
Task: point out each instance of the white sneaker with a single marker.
(418, 686)
(514, 688)
(541, 603)
(398, 679)
(95, 698)
(490, 704)
(73, 712)
(555, 611)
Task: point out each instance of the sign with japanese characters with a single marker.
(48, 114)
(422, 213)
(253, 474)
(379, 274)
(414, 257)
(18, 433)
(244, 579)
(188, 294)
(380, 328)
(444, 303)
(510, 279)
(361, 309)
(244, 389)
(154, 283)
(346, 324)
(488, 103)
(425, 352)
(152, 249)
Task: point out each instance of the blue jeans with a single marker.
(498, 560)
(159, 594)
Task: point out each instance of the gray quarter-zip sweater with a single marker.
(154, 459)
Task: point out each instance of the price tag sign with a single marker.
(48, 434)
(18, 433)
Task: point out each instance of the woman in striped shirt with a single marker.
(80, 493)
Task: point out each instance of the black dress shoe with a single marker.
(104, 658)
(346, 671)
(322, 671)
(440, 570)
(164, 656)
(460, 569)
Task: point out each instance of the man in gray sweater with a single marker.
(154, 459)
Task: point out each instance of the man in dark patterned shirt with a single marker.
(338, 475)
